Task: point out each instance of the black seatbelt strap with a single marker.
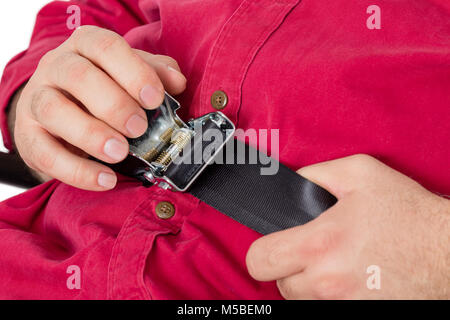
(264, 203)
(239, 188)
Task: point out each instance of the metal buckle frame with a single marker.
(169, 139)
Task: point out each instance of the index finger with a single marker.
(284, 253)
(114, 55)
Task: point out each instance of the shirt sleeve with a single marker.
(50, 30)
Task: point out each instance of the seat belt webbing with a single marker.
(264, 203)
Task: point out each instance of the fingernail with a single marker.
(107, 180)
(151, 96)
(136, 125)
(115, 149)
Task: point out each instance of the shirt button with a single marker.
(165, 210)
(219, 100)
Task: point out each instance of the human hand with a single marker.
(382, 219)
(84, 98)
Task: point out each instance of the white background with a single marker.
(16, 24)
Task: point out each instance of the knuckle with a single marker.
(167, 60)
(69, 67)
(363, 162)
(42, 104)
(82, 32)
(331, 286)
(364, 167)
(45, 161)
(108, 41)
(77, 33)
(76, 70)
(98, 40)
(322, 242)
(276, 252)
(91, 132)
(47, 58)
(78, 176)
(287, 289)
(116, 111)
(148, 74)
(266, 255)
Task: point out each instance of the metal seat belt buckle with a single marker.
(172, 153)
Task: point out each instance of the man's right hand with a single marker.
(83, 99)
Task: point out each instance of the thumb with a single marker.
(339, 176)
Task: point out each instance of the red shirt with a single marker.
(312, 69)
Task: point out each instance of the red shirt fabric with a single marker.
(312, 69)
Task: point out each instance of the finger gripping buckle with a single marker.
(172, 153)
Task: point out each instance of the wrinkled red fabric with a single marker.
(311, 69)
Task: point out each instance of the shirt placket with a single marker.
(138, 236)
(236, 47)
